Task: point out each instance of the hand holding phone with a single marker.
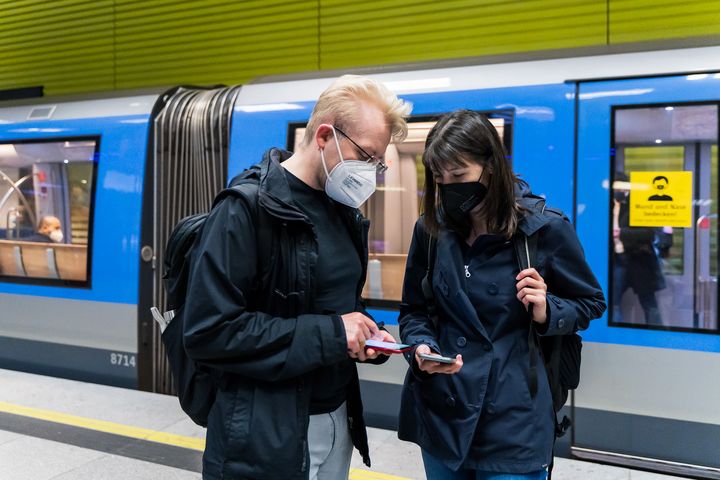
(358, 328)
(436, 358)
(433, 364)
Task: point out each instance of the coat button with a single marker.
(450, 400)
(493, 289)
(561, 323)
(487, 347)
(445, 289)
(461, 342)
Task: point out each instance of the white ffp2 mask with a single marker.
(351, 182)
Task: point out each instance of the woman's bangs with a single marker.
(440, 157)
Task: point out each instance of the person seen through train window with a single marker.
(49, 230)
(282, 322)
(476, 418)
(636, 264)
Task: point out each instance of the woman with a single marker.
(477, 418)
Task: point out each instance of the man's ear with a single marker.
(323, 135)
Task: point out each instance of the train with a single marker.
(118, 171)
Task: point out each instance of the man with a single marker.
(49, 231)
(274, 296)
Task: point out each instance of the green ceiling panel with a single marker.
(391, 31)
(66, 46)
(168, 43)
(644, 20)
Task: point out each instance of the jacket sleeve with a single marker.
(221, 331)
(416, 328)
(574, 296)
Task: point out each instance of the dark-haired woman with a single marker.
(476, 418)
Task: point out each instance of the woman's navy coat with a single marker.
(484, 416)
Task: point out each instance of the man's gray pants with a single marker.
(330, 445)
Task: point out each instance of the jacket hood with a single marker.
(273, 189)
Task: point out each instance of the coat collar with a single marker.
(533, 208)
(275, 195)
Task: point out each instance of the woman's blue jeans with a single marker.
(436, 470)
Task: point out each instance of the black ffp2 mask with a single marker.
(458, 199)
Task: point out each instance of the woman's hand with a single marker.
(436, 367)
(532, 292)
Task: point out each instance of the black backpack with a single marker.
(196, 384)
(560, 353)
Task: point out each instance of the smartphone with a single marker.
(436, 358)
(387, 346)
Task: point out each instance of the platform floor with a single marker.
(66, 430)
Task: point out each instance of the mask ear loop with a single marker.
(322, 155)
(337, 144)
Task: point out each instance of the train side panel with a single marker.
(88, 332)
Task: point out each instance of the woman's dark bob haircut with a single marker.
(458, 139)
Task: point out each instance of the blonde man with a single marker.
(274, 302)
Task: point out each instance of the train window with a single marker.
(663, 214)
(395, 206)
(46, 192)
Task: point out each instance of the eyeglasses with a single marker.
(379, 164)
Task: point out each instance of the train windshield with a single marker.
(46, 192)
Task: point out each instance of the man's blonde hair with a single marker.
(340, 105)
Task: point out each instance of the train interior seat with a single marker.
(42, 260)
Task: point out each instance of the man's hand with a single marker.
(358, 328)
(436, 367)
(382, 336)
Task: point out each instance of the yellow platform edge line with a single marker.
(105, 426)
(360, 474)
(146, 434)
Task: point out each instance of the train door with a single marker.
(647, 192)
(186, 168)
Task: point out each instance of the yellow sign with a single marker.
(661, 199)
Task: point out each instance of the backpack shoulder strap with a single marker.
(526, 245)
(526, 255)
(248, 189)
(427, 281)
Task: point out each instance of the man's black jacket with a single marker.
(247, 317)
